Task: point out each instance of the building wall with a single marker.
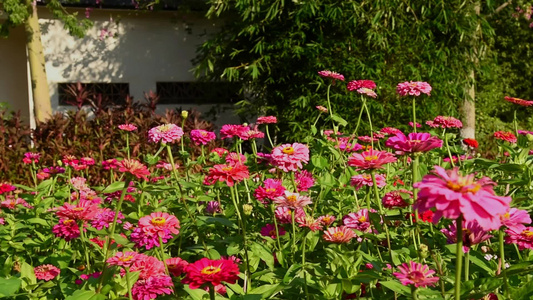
(143, 48)
(13, 74)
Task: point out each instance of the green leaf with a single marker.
(114, 187)
(265, 255)
(219, 220)
(339, 120)
(267, 290)
(196, 294)
(85, 295)
(289, 276)
(396, 287)
(8, 287)
(27, 273)
(45, 184)
(38, 221)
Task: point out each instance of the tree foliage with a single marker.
(274, 49)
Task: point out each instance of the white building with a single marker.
(127, 51)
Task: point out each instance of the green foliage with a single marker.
(275, 48)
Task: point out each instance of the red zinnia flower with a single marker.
(371, 159)
(46, 272)
(417, 274)
(471, 143)
(505, 136)
(518, 101)
(271, 189)
(134, 167)
(6, 187)
(230, 174)
(270, 230)
(413, 143)
(176, 266)
(211, 271)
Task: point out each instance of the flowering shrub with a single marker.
(416, 214)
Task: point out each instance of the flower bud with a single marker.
(423, 251)
(247, 209)
(184, 114)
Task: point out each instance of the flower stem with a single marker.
(515, 121)
(303, 267)
(369, 122)
(414, 114)
(504, 271)
(448, 148)
(128, 283)
(459, 257)
(414, 172)
(467, 266)
(381, 211)
(414, 292)
(211, 292)
(128, 145)
(277, 232)
(268, 135)
(247, 273)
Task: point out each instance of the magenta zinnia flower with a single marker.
(365, 87)
(211, 271)
(473, 234)
(358, 221)
(522, 238)
(417, 274)
(371, 159)
(413, 142)
(413, 88)
(229, 131)
(284, 214)
(290, 157)
(202, 137)
(395, 199)
(292, 200)
(123, 259)
(445, 122)
(454, 195)
(270, 230)
(304, 180)
(339, 235)
(67, 229)
(515, 219)
(176, 266)
(6, 187)
(166, 133)
(46, 272)
(271, 189)
(152, 287)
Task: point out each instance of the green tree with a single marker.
(274, 49)
(24, 13)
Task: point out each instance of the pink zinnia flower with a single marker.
(230, 174)
(104, 217)
(202, 137)
(349, 147)
(83, 210)
(211, 271)
(176, 266)
(234, 158)
(166, 133)
(417, 274)
(396, 198)
(134, 167)
(229, 131)
(309, 222)
(371, 159)
(525, 132)
(127, 127)
(152, 287)
(292, 200)
(271, 189)
(446, 122)
(413, 88)
(331, 74)
(390, 131)
(110, 164)
(54, 170)
(70, 160)
(413, 125)
(326, 220)
(267, 120)
(148, 266)
(289, 157)
(473, 234)
(149, 239)
(46, 272)
(339, 235)
(358, 181)
(357, 84)
(270, 230)
(284, 214)
(304, 180)
(505, 136)
(454, 195)
(322, 108)
(359, 220)
(123, 259)
(367, 139)
(522, 238)
(515, 219)
(159, 223)
(252, 134)
(212, 207)
(31, 157)
(518, 101)
(413, 142)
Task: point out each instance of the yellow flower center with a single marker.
(227, 169)
(366, 177)
(458, 186)
(506, 215)
(338, 234)
(292, 199)
(203, 133)
(272, 232)
(78, 209)
(126, 258)
(362, 219)
(164, 128)
(288, 150)
(270, 190)
(527, 233)
(66, 222)
(158, 221)
(326, 219)
(371, 158)
(209, 270)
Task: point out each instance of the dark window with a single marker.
(197, 92)
(112, 93)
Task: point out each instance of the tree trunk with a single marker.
(468, 109)
(39, 82)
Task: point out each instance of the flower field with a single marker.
(382, 214)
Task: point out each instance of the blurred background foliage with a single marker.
(274, 48)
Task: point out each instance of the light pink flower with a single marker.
(290, 157)
(166, 133)
(127, 127)
(446, 122)
(304, 180)
(284, 214)
(413, 88)
(322, 108)
(454, 195)
(326, 220)
(371, 159)
(417, 124)
(358, 221)
(267, 120)
(292, 200)
(202, 137)
(339, 235)
(390, 131)
(358, 181)
(515, 219)
(159, 223)
(417, 274)
(331, 74)
(413, 142)
(123, 259)
(309, 222)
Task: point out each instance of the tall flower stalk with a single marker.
(459, 257)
